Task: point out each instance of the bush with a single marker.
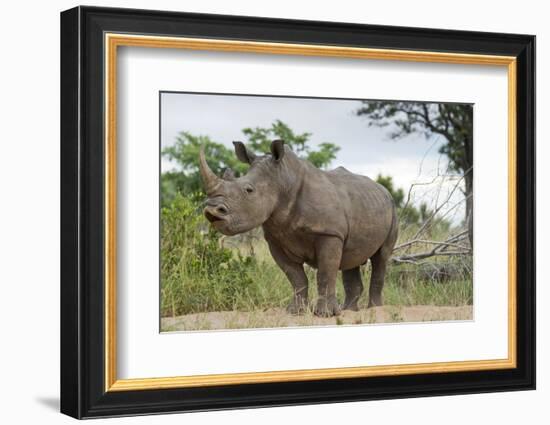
(199, 275)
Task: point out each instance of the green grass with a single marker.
(201, 272)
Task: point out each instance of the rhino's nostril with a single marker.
(221, 209)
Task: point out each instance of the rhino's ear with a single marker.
(278, 149)
(243, 153)
(228, 174)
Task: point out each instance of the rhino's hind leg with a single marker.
(353, 285)
(377, 280)
(379, 262)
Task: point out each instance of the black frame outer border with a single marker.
(82, 202)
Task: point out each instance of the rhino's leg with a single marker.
(379, 262)
(297, 277)
(328, 251)
(353, 286)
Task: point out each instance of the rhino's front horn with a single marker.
(210, 180)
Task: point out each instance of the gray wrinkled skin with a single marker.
(331, 220)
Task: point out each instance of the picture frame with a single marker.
(90, 40)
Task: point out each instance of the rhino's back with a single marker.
(369, 210)
(361, 191)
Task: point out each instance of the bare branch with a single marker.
(429, 242)
(439, 249)
(437, 209)
(412, 258)
(460, 235)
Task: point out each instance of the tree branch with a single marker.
(413, 258)
(439, 249)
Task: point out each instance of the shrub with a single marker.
(197, 273)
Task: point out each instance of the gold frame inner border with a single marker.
(113, 41)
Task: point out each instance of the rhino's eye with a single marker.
(249, 189)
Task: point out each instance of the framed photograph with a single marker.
(261, 212)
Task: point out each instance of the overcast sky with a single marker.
(363, 149)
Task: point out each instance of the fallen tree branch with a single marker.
(440, 249)
(458, 236)
(413, 258)
(440, 272)
(430, 242)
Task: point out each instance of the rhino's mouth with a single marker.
(212, 218)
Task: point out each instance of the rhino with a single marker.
(331, 220)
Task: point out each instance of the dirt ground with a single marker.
(276, 318)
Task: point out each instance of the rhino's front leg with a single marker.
(297, 277)
(328, 252)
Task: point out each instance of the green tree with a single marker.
(397, 193)
(454, 122)
(259, 140)
(408, 214)
(185, 154)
